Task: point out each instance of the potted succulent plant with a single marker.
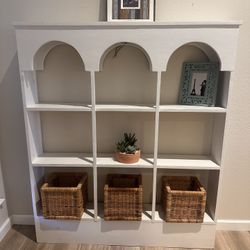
(127, 151)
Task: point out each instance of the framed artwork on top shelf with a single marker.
(199, 83)
(130, 10)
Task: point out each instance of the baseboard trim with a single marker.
(233, 225)
(4, 229)
(17, 219)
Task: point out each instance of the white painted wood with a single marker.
(127, 233)
(155, 42)
(146, 213)
(229, 225)
(94, 142)
(125, 108)
(217, 137)
(198, 162)
(25, 219)
(4, 229)
(190, 24)
(108, 160)
(156, 142)
(191, 109)
(92, 42)
(159, 217)
(58, 107)
(63, 160)
(233, 225)
(29, 87)
(1, 202)
(223, 88)
(33, 135)
(212, 191)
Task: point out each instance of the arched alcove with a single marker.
(62, 78)
(121, 45)
(126, 76)
(184, 133)
(171, 79)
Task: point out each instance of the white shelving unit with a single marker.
(83, 85)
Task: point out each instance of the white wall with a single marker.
(235, 189)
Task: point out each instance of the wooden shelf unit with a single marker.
(96, 92)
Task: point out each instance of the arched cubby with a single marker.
(126, 70)
(85, 85)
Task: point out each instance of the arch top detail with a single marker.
(43, 51)
(157, 43)
(118, 46)
(208, 51)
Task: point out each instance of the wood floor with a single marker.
(23, 238)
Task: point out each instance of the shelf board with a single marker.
(108, 160)
(146, 214)
(2, 202)
(159, 218)
(58, 107)
(125, 108)
(63, 160)
(127, 24)
(195, 162)
(190, 109)
(88, 215)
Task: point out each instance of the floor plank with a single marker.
(23, 238)
(232, 240)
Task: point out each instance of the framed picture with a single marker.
(199, 83)
(130, 4)
(130, 10)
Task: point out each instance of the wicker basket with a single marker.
(64, 196)
(183, 199)
(123, 197)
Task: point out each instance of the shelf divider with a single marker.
(156, 139)
(94, 143)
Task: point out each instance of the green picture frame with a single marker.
(199, 83)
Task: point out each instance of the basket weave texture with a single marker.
(64, 196)
(183, 199)
(123, 197)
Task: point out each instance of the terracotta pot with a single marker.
(128, 158)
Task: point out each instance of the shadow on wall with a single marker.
(103, 10)
(13, 153)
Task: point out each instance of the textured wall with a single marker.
(235, 187)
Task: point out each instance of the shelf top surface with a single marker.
(63, 159)
(198, 162)
(88, 215)
(128, 24)
(124, 108)
(58, 107)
